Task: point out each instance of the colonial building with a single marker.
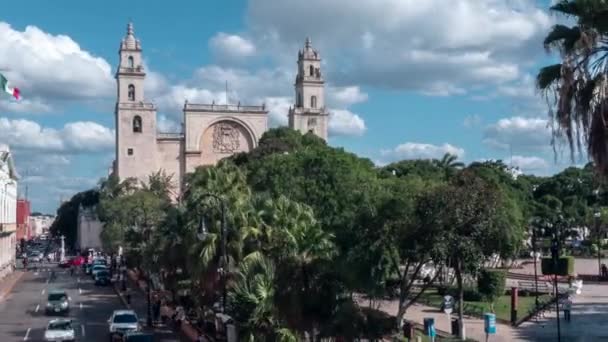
(210, 131)
(8, 211)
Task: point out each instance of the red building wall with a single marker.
(23, 224)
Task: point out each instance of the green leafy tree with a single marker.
(491, 284)
(575, 88)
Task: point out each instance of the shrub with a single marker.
(491, 284)
(565, 266)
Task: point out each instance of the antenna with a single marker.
(511, 152)
(226, 92)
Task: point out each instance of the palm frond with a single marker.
(548, 76)
(562, 37)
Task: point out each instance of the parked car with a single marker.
(60, 330)
(122, 322)
(57, 302)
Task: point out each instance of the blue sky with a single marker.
(406, 79)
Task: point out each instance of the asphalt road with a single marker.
(22, 312)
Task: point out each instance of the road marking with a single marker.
(43, 290)
(37, 307)
(47, 280)
(79, 290)
(82, 330)
(78, 280)
(27, 334)
(80, 306)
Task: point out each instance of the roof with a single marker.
(57, 291)
(60, 320)
(124, 312)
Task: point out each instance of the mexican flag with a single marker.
(14, 92)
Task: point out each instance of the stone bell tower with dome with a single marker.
(309, 113)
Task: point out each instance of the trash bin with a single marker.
(455, 326)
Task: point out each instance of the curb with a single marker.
(12, 282)
(122, 298)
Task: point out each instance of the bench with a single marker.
(530, 286)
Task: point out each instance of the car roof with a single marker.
(124, 312)
(60, 320)
(57, 291)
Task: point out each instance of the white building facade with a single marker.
(8, 211)
(210, 132)
(40, 224)
(89, 229)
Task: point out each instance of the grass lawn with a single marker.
(502, 306)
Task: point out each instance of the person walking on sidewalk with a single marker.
(156, 308)
(567, 308)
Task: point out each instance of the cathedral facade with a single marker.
(210, 132)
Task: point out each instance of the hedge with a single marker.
(491, 283)
(565, 266)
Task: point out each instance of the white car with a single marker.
(59, 330)
(123, 321)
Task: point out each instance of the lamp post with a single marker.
(202, 233)
(533, 226)
(597, 216)
(555, 250)
(148, 284)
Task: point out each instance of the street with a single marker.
(22, 312)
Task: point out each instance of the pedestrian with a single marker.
(567, 308)
(156, 308)
(604, 271)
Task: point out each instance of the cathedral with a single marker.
(210, 132)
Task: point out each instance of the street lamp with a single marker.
(535, 222)
(555, 251)
(202, 235)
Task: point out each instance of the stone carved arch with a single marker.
(226, 135)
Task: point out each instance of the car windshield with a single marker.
(99, 262)
(57, 297)
(125, 318)
(60, 326)
(99, 267)
(103, 274)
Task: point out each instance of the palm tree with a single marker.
(576, 89)
(449, 163)
(253, 301)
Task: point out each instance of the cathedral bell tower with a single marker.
(309, 113)
(135, 118)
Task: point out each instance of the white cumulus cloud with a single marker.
(415, 150)
(231, 46)
(81, 136)
(518, 133)
(344, 122)
(50, 66)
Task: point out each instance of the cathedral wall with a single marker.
(213, 136)
(169, 160)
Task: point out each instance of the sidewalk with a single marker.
(474, 327)
(139, 303)
(7, 283)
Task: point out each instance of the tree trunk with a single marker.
(458, 271)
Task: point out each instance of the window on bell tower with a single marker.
(299, 100)
(312, 70)
(137, 124)
(313, 102)
(130, 62)
(131, 92)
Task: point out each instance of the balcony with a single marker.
(138, 69)
(224, 108)
(136, 105)
(169, 136)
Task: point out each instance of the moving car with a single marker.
(98, 268)
(103, 278)
(57, 302)
(59, 330)
(123, 321)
